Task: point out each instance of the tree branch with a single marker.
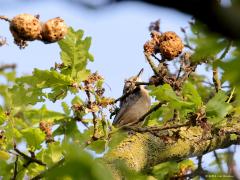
(7, 66)
(151, 63)
(15, 169)
(28, 158)
(142, 151)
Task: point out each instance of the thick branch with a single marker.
(142, 151)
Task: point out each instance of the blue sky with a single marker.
(118, 33)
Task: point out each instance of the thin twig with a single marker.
(155, 128)
(156, 107)
(159, 60)
(231, 95)
(152, 110)
(216, 80)
(179, 72)
(218, 161)
(15, 169)
(187, 45)
(141, 83)
(94, 137)
(226, 50)
(7, 66)
(5, 18)
(151, 63)
(200, 168)
(28, 158)
(186, 75)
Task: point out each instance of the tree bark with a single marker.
(142, 151)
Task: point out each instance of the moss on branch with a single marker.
(142, 151)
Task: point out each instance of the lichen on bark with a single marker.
(142, 151)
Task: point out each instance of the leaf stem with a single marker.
(5, 18)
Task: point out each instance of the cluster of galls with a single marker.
(168, 44)
(46, 127)
(26, 27)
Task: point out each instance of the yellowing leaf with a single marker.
(4, 155)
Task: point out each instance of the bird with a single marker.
(135, 105)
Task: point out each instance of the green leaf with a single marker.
(116, 139)
(233, 137)
(166, 93)
(51, 79)
(33, 116)
(190, 92)
(207, 47)
(207, 44)
(52, 154)
(77, 100)
(165, 170)
(217, 107)
(22, 96)
(3, 116)
(32, 87)
(66, 108)
(79, 165)
(186, 164)
(5, 169)
(74, 52)
(34, 137)
(10, 76)
(98, 146)
(68, 127)
(83, 74)
(231, 71)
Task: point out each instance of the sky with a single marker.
(118, 33)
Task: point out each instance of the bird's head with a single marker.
(130, 83)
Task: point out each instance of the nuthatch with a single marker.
(135, 105)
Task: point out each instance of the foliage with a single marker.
(38, 142)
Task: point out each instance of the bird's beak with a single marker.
(140, 73)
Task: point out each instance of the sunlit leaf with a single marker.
(190, 92)
(66, 108)
(165, 170)
(75, 53)
(34, 137)
(217, 107)
(98, 146)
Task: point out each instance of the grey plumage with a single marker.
(134, 106)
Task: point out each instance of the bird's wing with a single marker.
(135, 91)
(126, 107)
